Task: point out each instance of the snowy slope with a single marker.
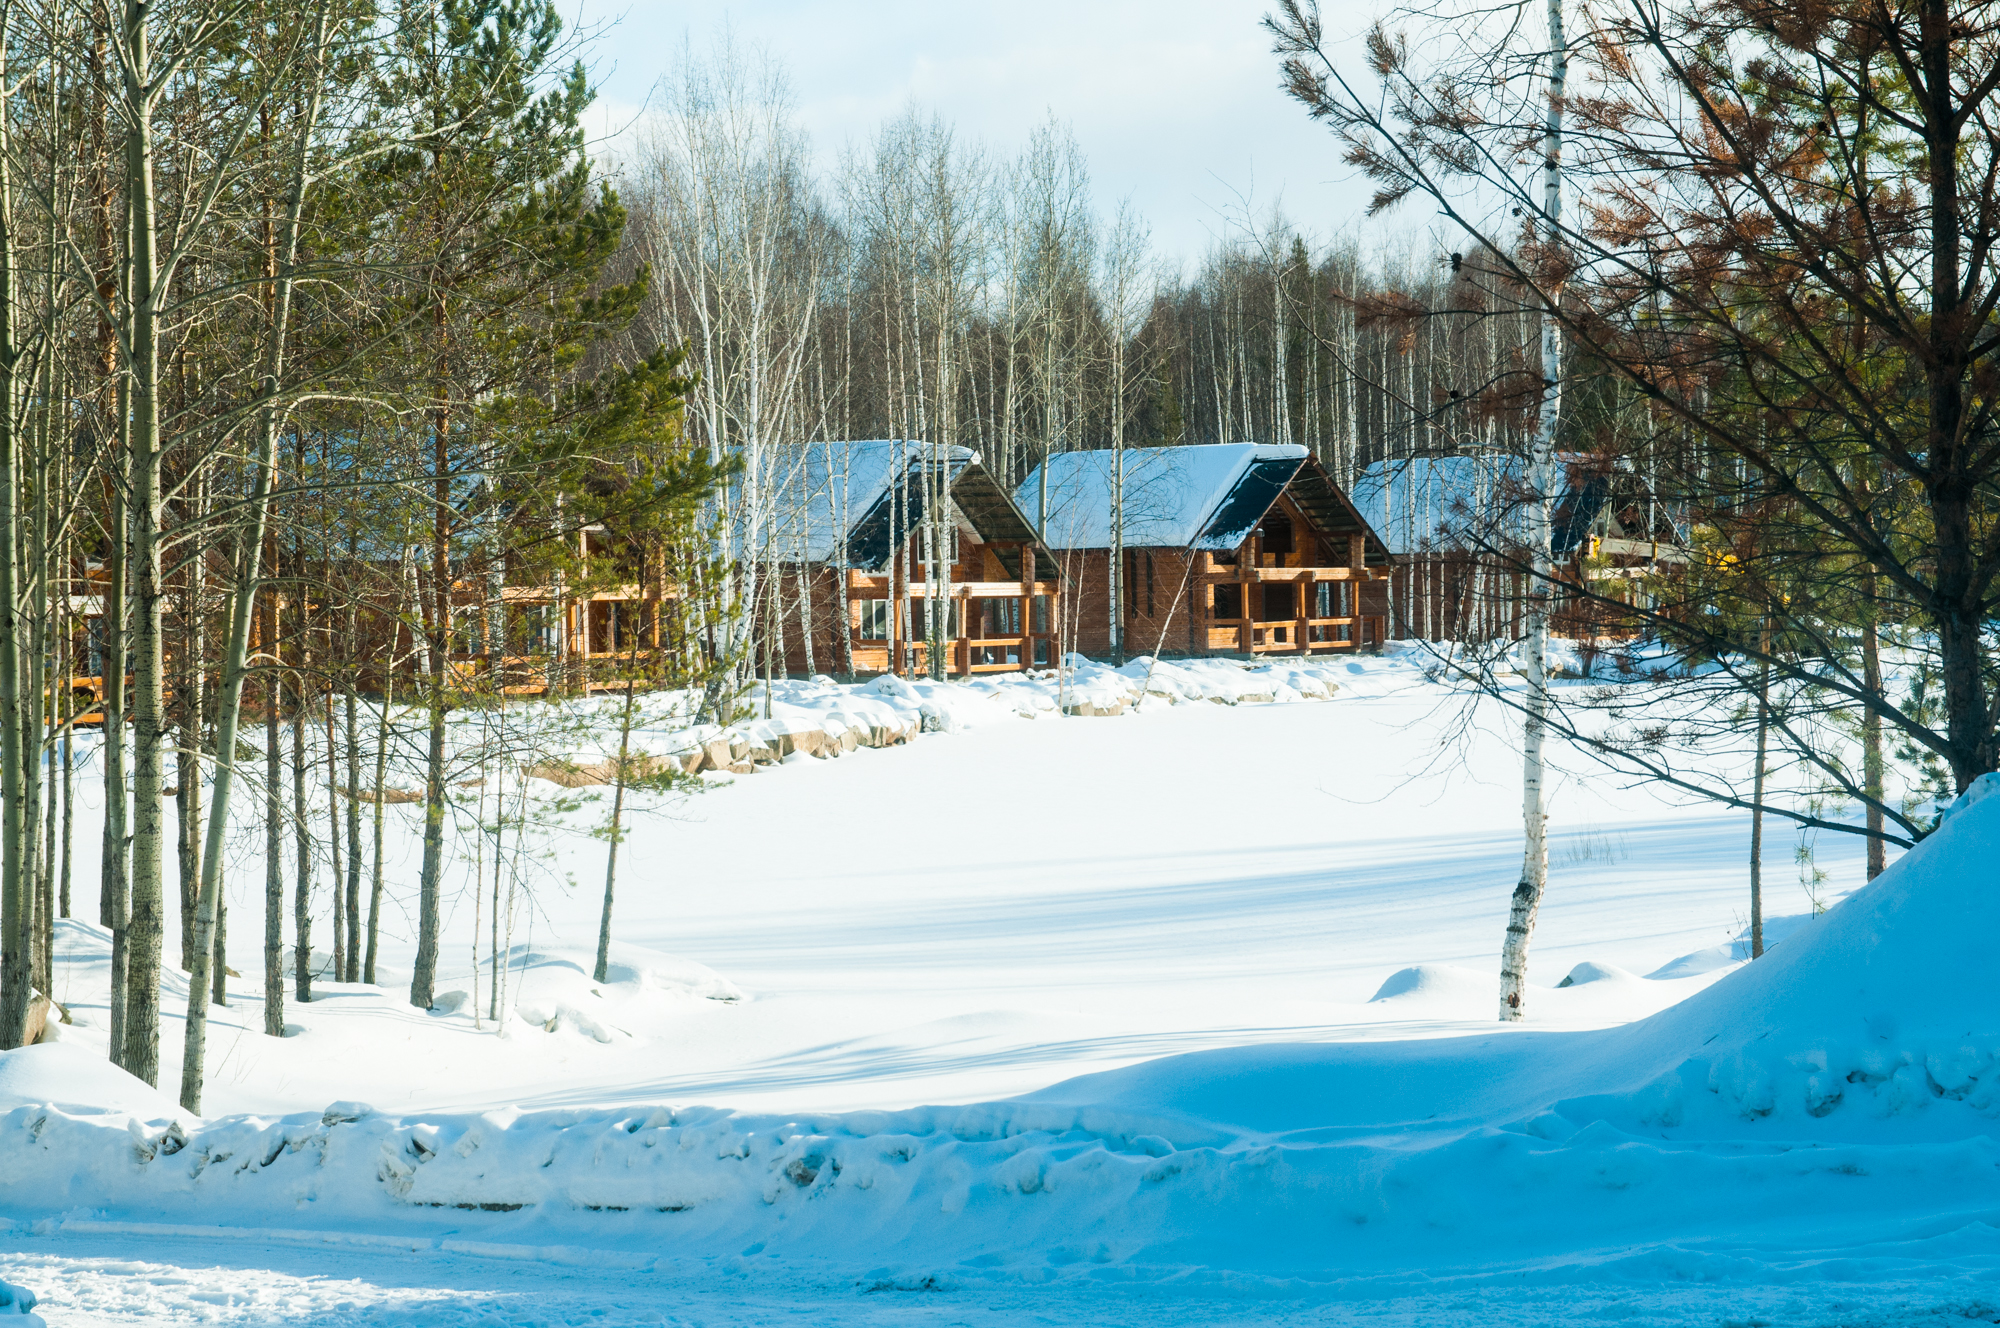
(946, 921)
(1303, 895)
(1689, 1142)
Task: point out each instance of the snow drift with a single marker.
(1838, 1095)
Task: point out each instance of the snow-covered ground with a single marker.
(1178, 1016)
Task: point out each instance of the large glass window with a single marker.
(532, 630)
(916, 619)
(999, 617)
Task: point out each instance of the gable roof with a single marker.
(1428, 504)
(1174, 496)
(1203, 496)
(829, 492)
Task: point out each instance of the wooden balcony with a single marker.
(1248, 626)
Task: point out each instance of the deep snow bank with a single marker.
(1879, 1018)
(1837, 1095)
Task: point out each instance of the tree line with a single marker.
(922, 285)
(309, 333)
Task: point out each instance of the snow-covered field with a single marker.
(1177, 1016)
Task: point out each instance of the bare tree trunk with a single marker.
(187, 769)
(1871, 727)
(302, 845)
(335, 857)
(274, 821)
(68, 797)
(351, 969)
(1757, 806)
(16, 812)
(145, 294)
(1534, 880)
(423, 976)
(381, 777)
(114, 885)
(602, 971)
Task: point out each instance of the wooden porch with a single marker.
(1273, 602)
(994, 626)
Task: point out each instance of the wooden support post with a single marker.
(895, 618)
(1304, 611)
(1246, 629)
(1028, 570)
(965, 634)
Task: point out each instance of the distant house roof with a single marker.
(1427, 504)
(1208, 497)
(830, 493)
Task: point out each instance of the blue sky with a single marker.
(1174, 102)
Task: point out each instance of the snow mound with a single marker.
(1587, 972)
(1883, 1006)
(1436, 982)
(74, 1079)
(1731, 952)
(642, 969)
(797, 721)
(552, 990)
(17, 1305)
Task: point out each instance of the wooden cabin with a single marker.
(853, 528)
(1229, 549)
(553, 635)
(1456, 527)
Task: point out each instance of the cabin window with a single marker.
(871, 619)
(917, 622)
(921, 542)
(1149, 584)
(1276, 533)
(1041, 620)
(1228, 601)
(464, 635)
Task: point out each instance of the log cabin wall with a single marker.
(1153, 620)
(1242, 549)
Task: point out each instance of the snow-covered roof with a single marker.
(1198, 497)
(1423, 504)
(821, 495)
